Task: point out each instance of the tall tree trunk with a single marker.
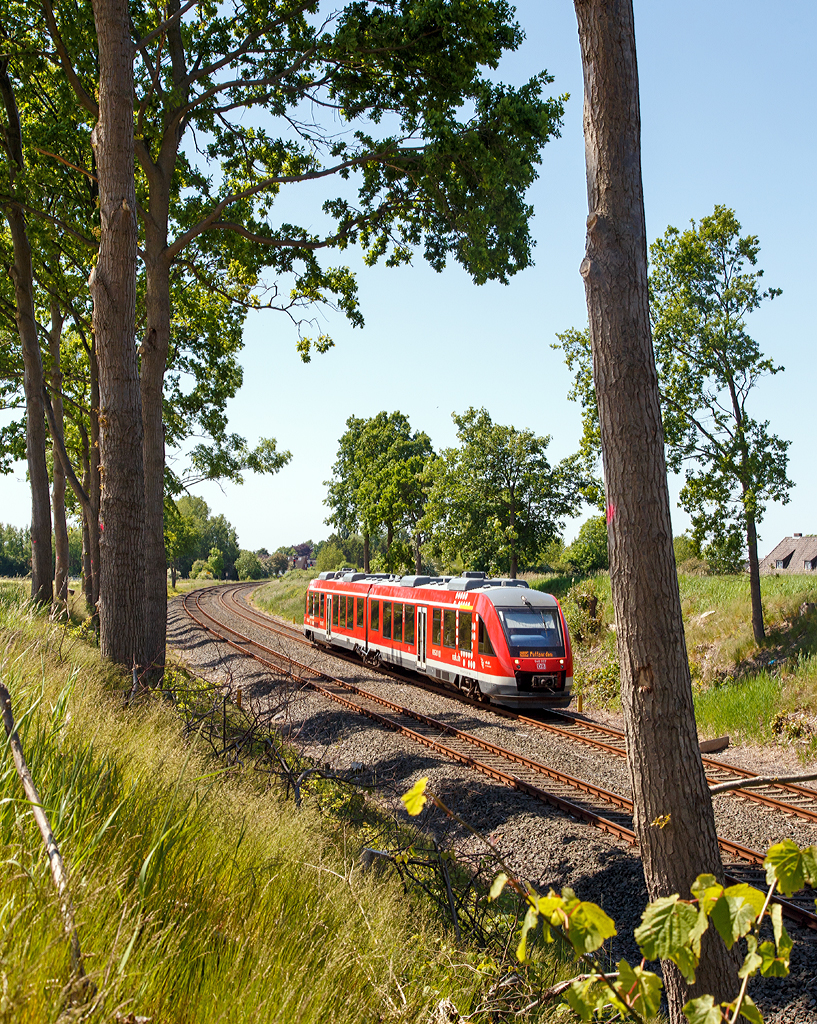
(95, 488)
(113, 289)
(418, 558)
(667, 776)
(22, 273)
(365, 552)
(758, 628)
(62, 555)
(154, 360)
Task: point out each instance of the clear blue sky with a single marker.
(727, 117)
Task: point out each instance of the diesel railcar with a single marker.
(491, 638)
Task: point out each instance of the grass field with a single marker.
(286, 596)
(200, 895)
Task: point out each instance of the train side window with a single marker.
(374, 616)
(485, 646)
(397, 622)
(323, 605)
(335, 604)
(436, 627)
(409, 626)
(361, 613)
(350, 613)
(387, 619)
(464, 632)
(308, 599)
(449, 628)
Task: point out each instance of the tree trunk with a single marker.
(22, 274)
(758, 628)
(154, 360)
(58, 475)
(113, 289)
(365, 552)
(418, 558)
(667, 776)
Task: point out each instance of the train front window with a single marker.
(531, 627)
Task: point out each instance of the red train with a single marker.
(494, 638)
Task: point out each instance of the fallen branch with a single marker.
(760, 780)
(58, 872)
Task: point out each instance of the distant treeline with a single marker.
(15, 551)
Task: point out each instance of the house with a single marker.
(797, 554)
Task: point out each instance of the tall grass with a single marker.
(286, 596)
(198, 897)
(744, 710)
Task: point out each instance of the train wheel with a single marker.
(470, 687)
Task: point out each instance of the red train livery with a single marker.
(494, 638)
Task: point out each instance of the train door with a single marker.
(329, 602)
(422, 634)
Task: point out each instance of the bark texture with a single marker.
(665, 764)
(113, 289)
(22, 274)
(61, 553)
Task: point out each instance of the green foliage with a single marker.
(15, 551)
(495, 500)
(702, 287)
(215, 560)
(248, 566)
(379, 479)
(330, 557)
(588, 552)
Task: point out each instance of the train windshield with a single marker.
(531, 627)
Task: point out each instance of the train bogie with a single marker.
(493, 638)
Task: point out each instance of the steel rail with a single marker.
(332, 687)
(719, 769)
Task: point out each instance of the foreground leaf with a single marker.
(702, 1011)
(640, 988)
(415, 799)
(665, 933)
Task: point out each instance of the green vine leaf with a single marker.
(498, 885)
(784, 865)
(736, 911)
(702, 1011)
(665, 932)
(749, 1011)
(639, 988)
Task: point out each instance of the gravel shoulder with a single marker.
(546, 846)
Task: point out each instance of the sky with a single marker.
(727, 117)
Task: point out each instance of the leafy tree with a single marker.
(15, 551)
(248, 566)
(216, 562)
(588, 552)
(702, 287)
(278, 563)
(495, 500)
(330, 557)
(379, 480)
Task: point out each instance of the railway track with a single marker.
(611, 812)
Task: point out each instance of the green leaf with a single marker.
(749, 1011)
(773, 966)
(588, 926)
(531, 918)
(702, 1011)
(752, 960)
(784, 865)
(666, 931)
(498, 885)
(810, 865)
(734, 914)
(639, 988)
(415, 799)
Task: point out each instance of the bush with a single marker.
(248, 566)
(588, 552)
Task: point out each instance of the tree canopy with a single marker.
(495, 499)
